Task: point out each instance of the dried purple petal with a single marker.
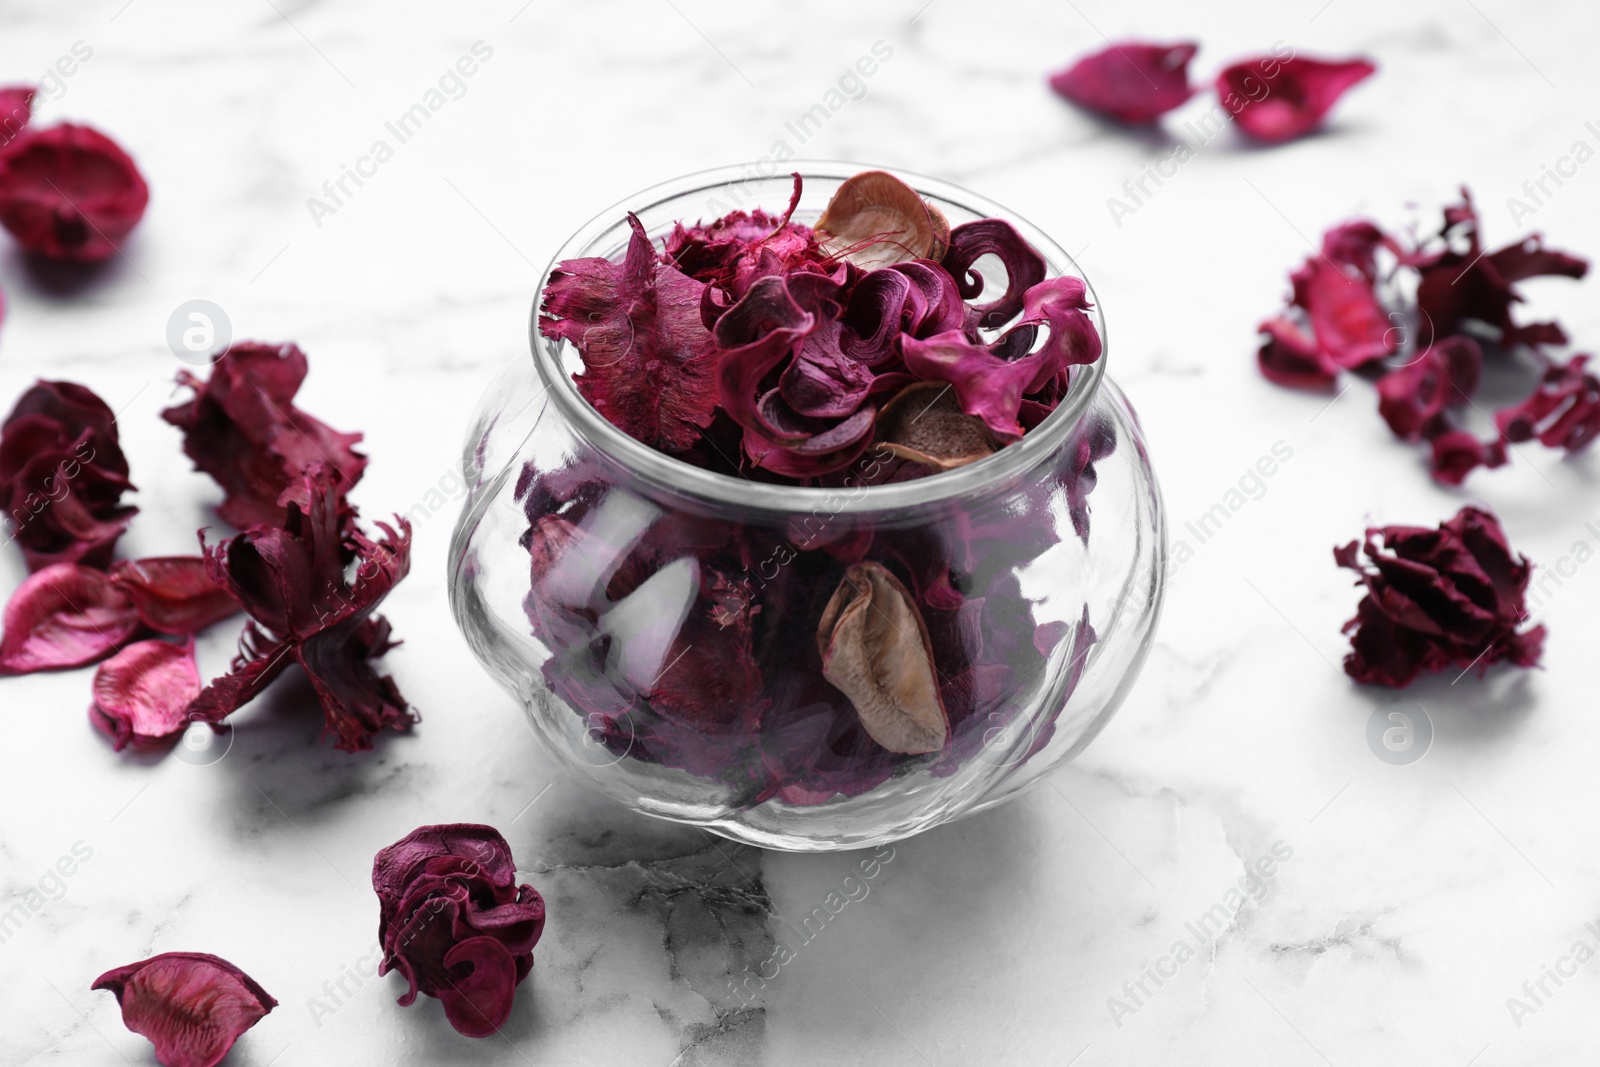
(1412, 399)
(1277, 100)
(1562, 412)
(1025, 267)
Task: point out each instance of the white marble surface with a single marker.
(1417, 898)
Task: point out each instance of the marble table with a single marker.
(1336, 908)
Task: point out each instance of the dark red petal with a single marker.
(70, 192)
(191, 1005)
(479, 1002)
(1563, 411)
(174, 594)
(1412, 398)
(1289, 356)
(142, 694)
(16, 107)
(1131, 81)
(259, 662)
(1346, 317)
(64, 616)
(1277, 100)
(243, 429)
(357, 702)
(484, 846)
(1457, 453)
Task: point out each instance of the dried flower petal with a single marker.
(1290, 356)
(1457, 453)
(191, 1005)
(1562, 412)
(648, 363)
(1449, 597)
(1132, 82)
(243, 429)
(924, 423)
(454, 922)
(16, 108)
(65, 615)
(142, 694)
(876, 651)
(875, 219)
(174, 594)
(1412, 399)
(1276, 100)
(70, 192)
(62, 476)
(1025, 267)
(1346, 317)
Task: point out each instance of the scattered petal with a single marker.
(65, 615)
(142, 694)
(1131, 82)
(174, 594)
(1277, 100)
(191, 1005)
(1562, 412)
(70, 193)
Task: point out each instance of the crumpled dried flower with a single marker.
(142, 694)
(454, 922)
(1562, 412)
(1446, 597)
(1277, 100)
(62, 476)
(191, 1005)
(69, 192)
(1412, 399)
(292, 580)
(1132, 81)
(243, 429)
(173, 594)
(876, 651)
(16, 108)
(63, 616)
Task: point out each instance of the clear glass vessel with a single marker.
(659, 622)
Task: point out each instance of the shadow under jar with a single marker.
(659, 621)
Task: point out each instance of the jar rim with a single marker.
(682, 478)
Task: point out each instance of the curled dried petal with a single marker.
(1562, 412)
(876, 651)
(1025, 267)
(142, 694)
(924, 423)
(1289, 356)
(65, 615)
(70, 193)
(174, 594)
(1277, 100)
(1413, 398)
(1132, 81)
(191, 1005)
(876, 219)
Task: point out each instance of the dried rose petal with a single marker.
(65, 615)
(924, 423)
(16, 107)
(875, 219)
(294, 583)
(69, 192)
(1290, 356)
(647, 358)
(453, 921)
(243, 429)
(62, 476)
(1447, 597)
(1562, 412)
(1457, 453)
(1346, 317)
(1412, 399)
(191, 1005)
(876, 651)
(1276, 100)
(1132, 82)
(142, 694)
(174, 594)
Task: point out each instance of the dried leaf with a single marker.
(876, 219)
(924, 423)
(876, 651)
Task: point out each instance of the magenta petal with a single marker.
(191, 1005)
(1025, 267)
(1289, 356)
(1350, 325)
(1412, 398)
(479, 1003)
(1276, 100)
(142, 694)
(64, 616)
(987, 386)
(16, 108)
(1131, 82)
(174, 594)
(1562, 412)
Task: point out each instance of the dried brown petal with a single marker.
(924, 423)
(876, 219)
(876, 651)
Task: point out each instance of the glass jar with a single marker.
(660, 622)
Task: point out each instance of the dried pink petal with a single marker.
(1132, 81)
(16, 108)
(1290, 356)
(1562, 412)
(243, 429)
(1277, 100)
(1025, 267)
(1437, 598)
(191, 1005)
(65, 615)
(876, 651)
(142, 694)
(454, 922)
(174, 594)
(1346, 317)
(69, 192)
(648, 363)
